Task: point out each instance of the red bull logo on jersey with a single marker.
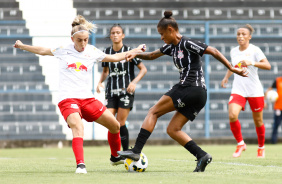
(77, 66)
(239, 65)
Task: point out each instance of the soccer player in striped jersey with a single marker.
(187, 97)
(121, 84)
(76, 100)
(249, 89)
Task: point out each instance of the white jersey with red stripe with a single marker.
(247, 86)
(76, 70)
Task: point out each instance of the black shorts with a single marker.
(188, 100)
(124, 101)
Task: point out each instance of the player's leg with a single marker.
(163, 106)
(276, 124)
(94, 110)
(108, 120)
(75, 123)
(257, 104)
(174, 130)
(71, 111)
(236, 104)
(122, 115)
(125, 104)
(260, 129)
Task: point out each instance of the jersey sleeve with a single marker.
(59, 51)
(259, 54)
(195, 46)
(166, 49)
(100, 55)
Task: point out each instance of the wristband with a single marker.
(253, 63)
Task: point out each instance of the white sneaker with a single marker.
(81, 169)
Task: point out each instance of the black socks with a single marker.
(124, 137)
(194, 149)
(141, 140)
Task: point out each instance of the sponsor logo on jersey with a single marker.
(77, 66)
(195, 46)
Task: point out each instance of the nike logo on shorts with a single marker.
(257, 109)
(101, 108)
(74, 106)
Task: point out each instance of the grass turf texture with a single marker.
(167, 164)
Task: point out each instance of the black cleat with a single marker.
(202, 163)
(129, 154)
(116, 160)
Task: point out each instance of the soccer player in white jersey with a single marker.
(247, 88)
(121, 83)
(75, 98)
(187, 97)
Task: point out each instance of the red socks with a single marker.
(261, 135)
(77, 147)
(236, 130)
(114, 142)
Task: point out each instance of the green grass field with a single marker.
(167, 164)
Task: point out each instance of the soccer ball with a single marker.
(136, 166)
(272, 96)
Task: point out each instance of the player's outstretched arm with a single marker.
(144, 55)
(34, 49)
(121, 56)
(220, 57)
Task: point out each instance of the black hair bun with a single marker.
(168, 14)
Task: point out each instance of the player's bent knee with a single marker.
(233, 117)
(114, 129)
(171, 131)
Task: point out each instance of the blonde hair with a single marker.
(250, 28)
(80, 24)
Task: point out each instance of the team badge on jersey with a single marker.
(180, 54)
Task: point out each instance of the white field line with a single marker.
(229, 163)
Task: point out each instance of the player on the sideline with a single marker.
(75, 98)
(187, 97)
(121, 82)
(251, 57)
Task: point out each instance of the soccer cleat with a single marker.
(129, 154)
(261, 153)
(116, 160)
(81, 169)
(202, 163)
(239, 150)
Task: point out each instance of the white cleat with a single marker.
(81, 169)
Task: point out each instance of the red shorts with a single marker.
(256, 103)
(89, 109)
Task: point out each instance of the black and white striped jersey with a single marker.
(120, 73)
(187, 58)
